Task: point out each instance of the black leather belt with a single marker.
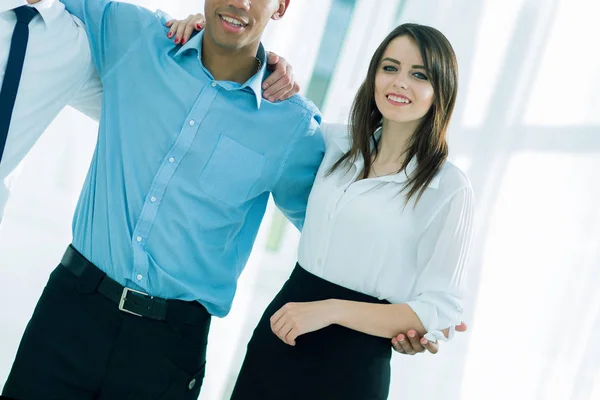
(129, 300)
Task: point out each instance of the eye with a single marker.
(420, 75)
(389, 68)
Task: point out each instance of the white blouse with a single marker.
(362, 236)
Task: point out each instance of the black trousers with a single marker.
(78, 345)
(334, 363)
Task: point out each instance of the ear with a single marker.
(283, 6)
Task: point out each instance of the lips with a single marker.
(232, 24)
(398, 98)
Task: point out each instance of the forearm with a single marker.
(383, 320)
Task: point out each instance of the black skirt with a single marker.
(332, 363)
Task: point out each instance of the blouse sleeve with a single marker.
(442, 258)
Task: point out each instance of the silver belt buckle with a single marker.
(124, 297)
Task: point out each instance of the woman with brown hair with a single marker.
(385, 241)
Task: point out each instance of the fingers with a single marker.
(431, 347)
(272, 58)
(284, 330)
(283, 333)
(414, 340)
(277, 322)
(279, 84)
(286, 92)
(405, 344)
(396, 344)
(195, 23)
(295, 89)
(290, 338)
(461, 328)
(181, 27)
(173, 25)
(182, 31)
(188, 31)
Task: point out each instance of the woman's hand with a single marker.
(181, 31)
(295, 319)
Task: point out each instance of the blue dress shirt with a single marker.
(184, 164)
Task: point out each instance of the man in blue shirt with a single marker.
(187, 155)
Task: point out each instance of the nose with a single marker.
(401, 81)
(241, 4)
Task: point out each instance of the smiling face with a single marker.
(233, 25)
(403, 90)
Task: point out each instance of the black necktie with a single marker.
(14, 68)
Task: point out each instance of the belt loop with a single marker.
(89, 280)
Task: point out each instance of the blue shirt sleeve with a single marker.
(113, 28)
(295, 183)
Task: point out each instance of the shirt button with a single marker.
(192, 122)
(319, 262)
(171, 160)
(153, 199)
(214, 84)
(192, 384)
(139, 277)
(139, 239)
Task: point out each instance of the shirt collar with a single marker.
(8, 5)
(48, 9)
(344, 145)
(254, 83)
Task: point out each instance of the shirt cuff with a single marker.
(428, 314)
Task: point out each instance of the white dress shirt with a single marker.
(362, 236)
(58, 71)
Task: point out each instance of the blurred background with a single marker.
(526, 131)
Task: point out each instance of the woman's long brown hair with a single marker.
(428, 142)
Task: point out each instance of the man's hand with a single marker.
(278, 86)
(412, 343)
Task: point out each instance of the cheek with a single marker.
(379, 95)
(382, 83)
(426, 96)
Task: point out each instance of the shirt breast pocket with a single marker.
(232, 172)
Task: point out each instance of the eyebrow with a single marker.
(398, 62)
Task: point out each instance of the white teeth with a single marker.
(398, 99)
(232, 21)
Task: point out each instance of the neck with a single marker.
(394, 142)
(228, 65)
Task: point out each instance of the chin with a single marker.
(227, 44)
(398, 117)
